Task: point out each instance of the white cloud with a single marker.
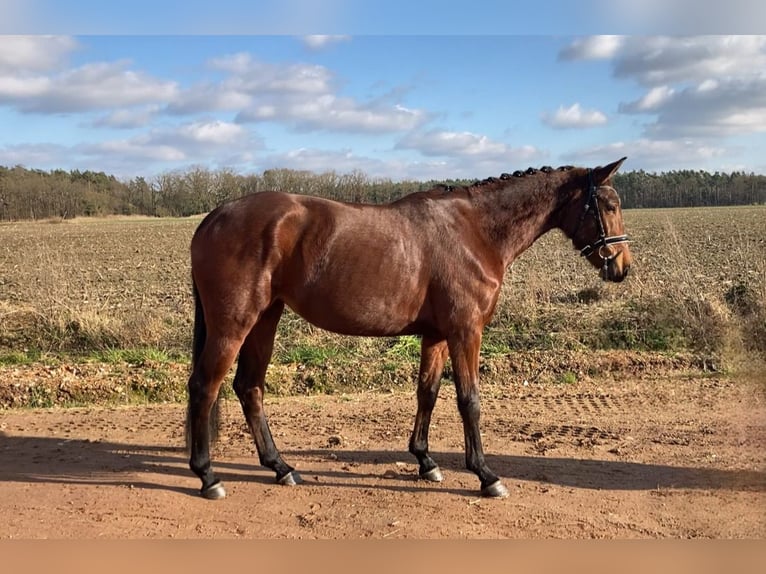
(211, 142)
(215, 133)
(137, 149)
(321, 161)
(320, 41)
(89, 87)
(239, 63)
(651, 154)
(713, 108)
(345, 161)
(128, 118)
(253, 76)
(302, 96)
(662, 60)
(330, 112)
(665, 60)
(196, 137)
(718, 109)
(34, 53)
(696, 86)
(469, 155)
(38, 155)
(464, 144)
(653, 100)
(209, 97)
(574, 117)
(593, 48)
(19, 89)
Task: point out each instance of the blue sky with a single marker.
(441, 100)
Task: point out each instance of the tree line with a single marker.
(37, 194)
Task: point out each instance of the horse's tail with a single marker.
(198, 344)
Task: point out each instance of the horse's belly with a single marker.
(354, 313)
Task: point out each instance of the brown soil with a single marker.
(647, 457)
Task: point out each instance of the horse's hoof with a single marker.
(433, 475)
(215, 491)
(495, 490)
(290, 479)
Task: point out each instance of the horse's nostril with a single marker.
(619, 277)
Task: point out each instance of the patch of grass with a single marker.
(157, 375)
(567, 378)
(311, 355)
(656, 324)
(406, 348)
(41, 396)
(155, 386)
(24, 357)
(389, 366)
(139, 357)
(748, 304)
(626, 332)
(549, 327)
(67, 330)
(317, 382)
(741, 298)
(494, 347)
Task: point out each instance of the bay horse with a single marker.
(429, 264)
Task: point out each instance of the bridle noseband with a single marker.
(591, 203)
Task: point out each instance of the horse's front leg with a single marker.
(464, 351)
(433, 355)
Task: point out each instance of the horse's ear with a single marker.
(601, 174)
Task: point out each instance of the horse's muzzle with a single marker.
(616, 269)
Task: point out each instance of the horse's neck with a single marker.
(517, 215)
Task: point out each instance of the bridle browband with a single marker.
(591, 203)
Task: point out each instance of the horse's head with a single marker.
(596, 220)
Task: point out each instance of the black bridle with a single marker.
(591, 205)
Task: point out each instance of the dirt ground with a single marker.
(647, 457)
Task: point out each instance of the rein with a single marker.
(591, 202)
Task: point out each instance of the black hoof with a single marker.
(495, 490)
(215, 491)
(290, 479)
(433, 475)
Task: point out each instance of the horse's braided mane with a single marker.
(504, 177)
(518, 173)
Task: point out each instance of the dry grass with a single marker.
(96, 284)
(699, 283)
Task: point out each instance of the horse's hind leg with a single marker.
(248, 384)
(433, 355)
(204, 384)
